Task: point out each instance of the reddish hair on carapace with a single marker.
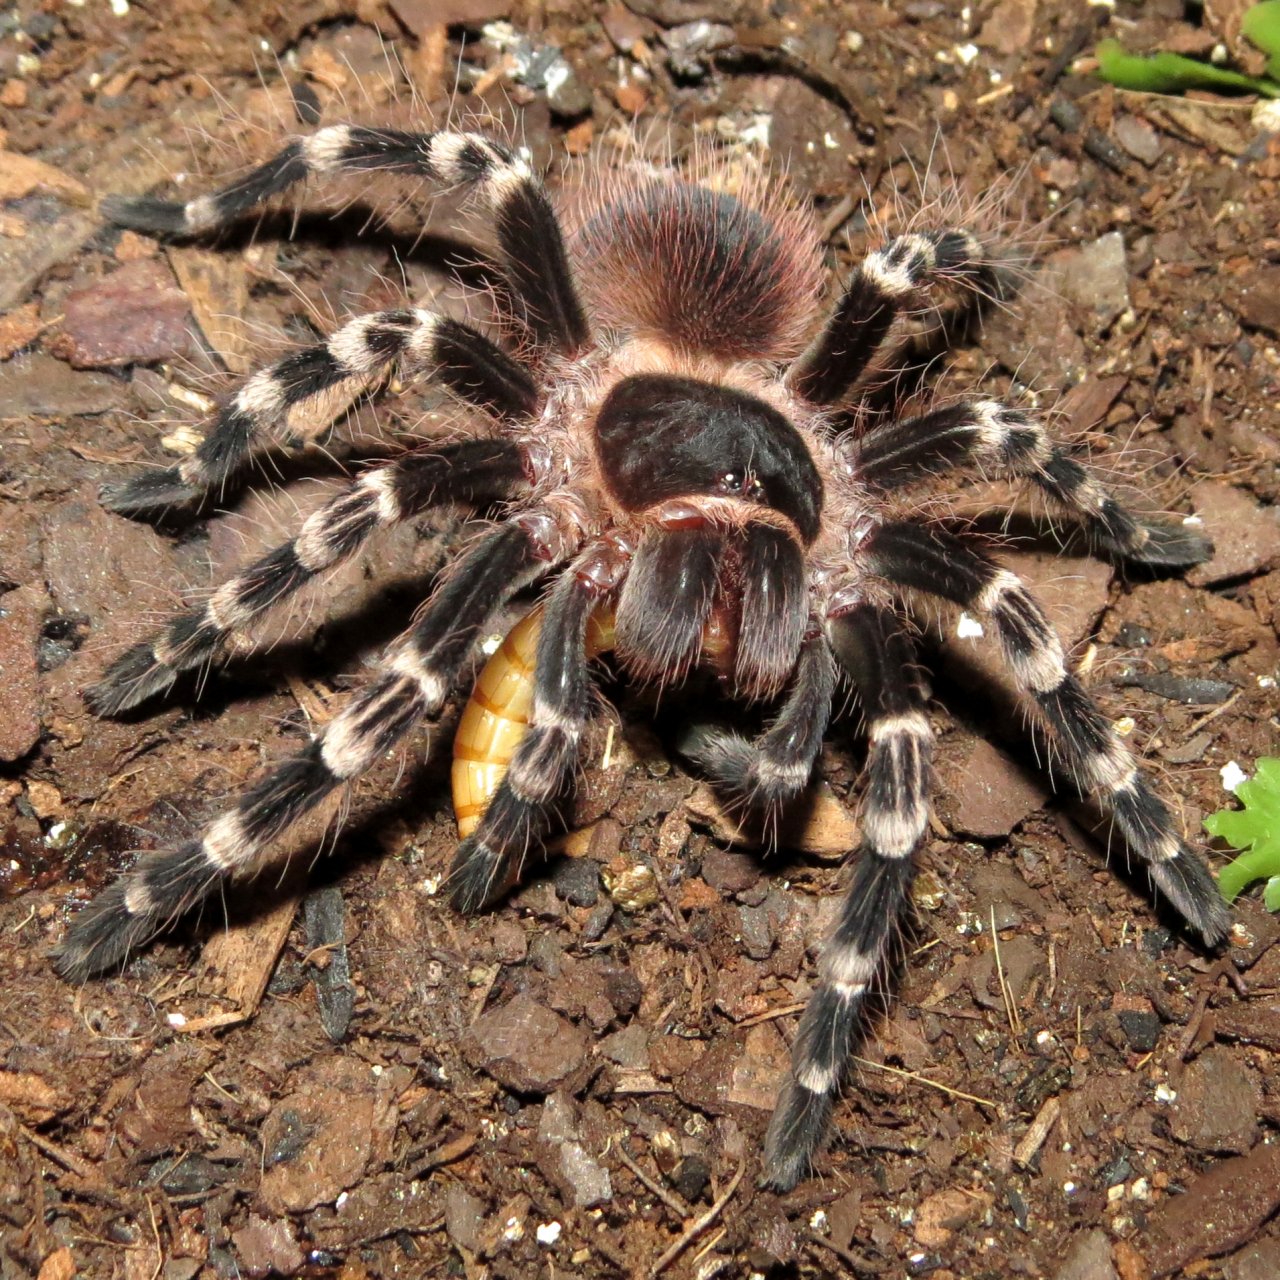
(709, 257)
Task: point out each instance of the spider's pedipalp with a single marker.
(528, 233)
(763, 774)
(489, 859)
(667, 598)
(872, 647)
(936, 563)
(475, 472)
(308, 385)
(411, 685)
(774, 609)
(885, 282)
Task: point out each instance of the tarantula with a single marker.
(666, 450)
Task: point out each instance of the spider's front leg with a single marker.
(939, 564)
(410, 685)
(489, 860)
(874, 650)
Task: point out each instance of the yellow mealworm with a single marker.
(497, 713)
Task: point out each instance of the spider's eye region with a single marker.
(737, 485)
(660, 437)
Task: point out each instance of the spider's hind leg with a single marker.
(529, 236)
(883, 284)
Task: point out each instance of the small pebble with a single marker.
(577, 881)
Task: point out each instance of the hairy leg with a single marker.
(882, 284)
(937, 563)
(352, 359)
(472, 471)
(410, 685)
(529, 236)
(488, 860)
(1008, 443)
(871, 646)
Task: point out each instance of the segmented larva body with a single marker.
(496, 716)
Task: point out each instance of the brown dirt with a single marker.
(378, 1087)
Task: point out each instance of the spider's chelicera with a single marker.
(665, 449)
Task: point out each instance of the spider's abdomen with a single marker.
(659, 437)
(706, 271)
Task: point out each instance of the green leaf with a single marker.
(1261, 26)
(1171, 73)
(1271, 894)
(1254, 829)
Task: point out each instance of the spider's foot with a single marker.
(1187, 884)
(1170, 546)
(798, 1126)
(101, 936)
(148, 492)
(136, 675)
(145, 213)
(476, 878)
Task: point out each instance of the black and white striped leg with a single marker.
(529, 236)
(301, 384)
(882, 284)
(1004, 442)
(937, 563)
(763, 774)
(490, 859)
(410, 685)
(870, 645)
(475, 472)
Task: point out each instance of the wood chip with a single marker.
(817, 823)
(21, 175)
(244, 956)
(59, 1265)
(31, 1096)
(217, 286)
(18, 328)
(1034, 1138)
